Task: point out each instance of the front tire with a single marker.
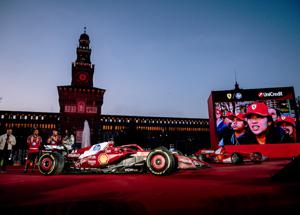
(236, 158)
(160, 162)
(51, 163)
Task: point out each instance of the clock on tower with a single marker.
(82, 77)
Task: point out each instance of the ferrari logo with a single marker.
(253, 107)
(103, 159)
(229, 95)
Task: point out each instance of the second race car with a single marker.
(221, 155)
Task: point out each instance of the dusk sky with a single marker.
(154, 58)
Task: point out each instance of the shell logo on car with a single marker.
(103, 159)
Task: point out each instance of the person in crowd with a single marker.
(261, 126)
(239, 128)
(68, 140)
(54, 139)
(275, 113)
(34, 142)
(224, 129)
(288, 124)
(7, 141)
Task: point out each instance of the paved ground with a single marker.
(222, 189)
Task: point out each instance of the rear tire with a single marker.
(256, 157)
(51, 163)
(160, 161)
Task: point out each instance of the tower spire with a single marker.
(84, 29)
(236, 85)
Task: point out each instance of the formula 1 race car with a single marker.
(107, 158)
(220, 155)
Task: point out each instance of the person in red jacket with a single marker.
(34, 143)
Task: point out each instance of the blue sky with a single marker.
(154, 58)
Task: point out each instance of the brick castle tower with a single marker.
(81, 101)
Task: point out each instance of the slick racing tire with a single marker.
(256, 157)
(236, 158)
(51, 163)
(160, 161)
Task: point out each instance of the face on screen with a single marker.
(273, 113)
(288, 128)
(238, 124)
(258, 124)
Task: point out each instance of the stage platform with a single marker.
(221, 189)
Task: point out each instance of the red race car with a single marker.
(107, 158)
(220, 155)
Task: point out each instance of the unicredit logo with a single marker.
(269, 94)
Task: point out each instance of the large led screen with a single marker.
(253, 116)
